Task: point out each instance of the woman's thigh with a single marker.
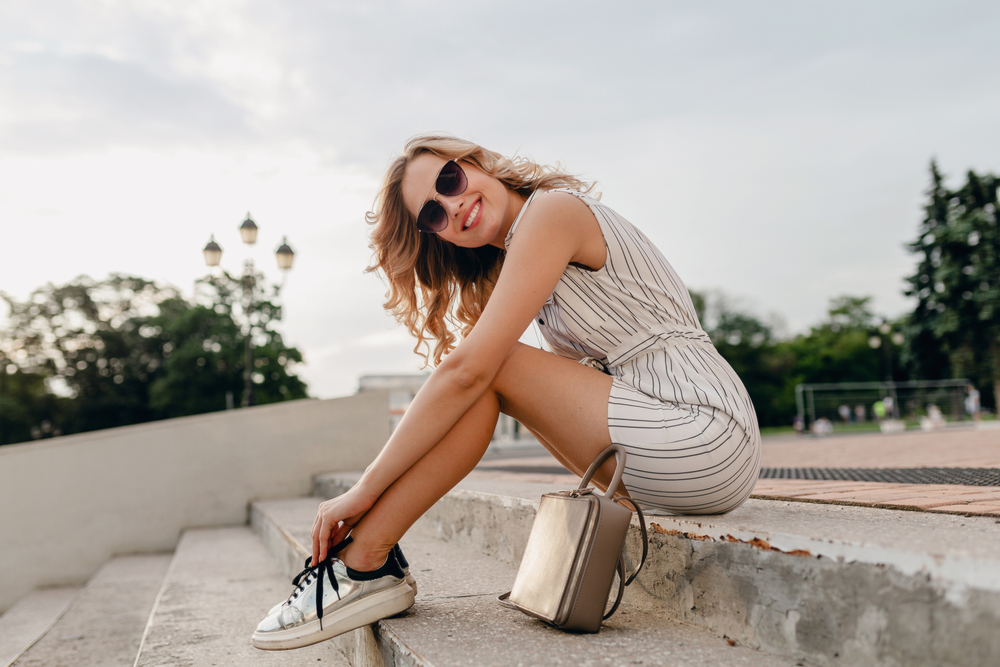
(564, 403)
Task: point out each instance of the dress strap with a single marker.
(517, 220)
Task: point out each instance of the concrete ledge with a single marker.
(133, 489)
(821, 583)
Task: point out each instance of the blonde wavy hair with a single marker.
(438, 289)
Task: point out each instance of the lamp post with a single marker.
(213, 255)
(882, 339)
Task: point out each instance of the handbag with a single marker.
(574, 549)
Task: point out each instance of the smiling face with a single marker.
(479, 216)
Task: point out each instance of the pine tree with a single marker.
(955, 327)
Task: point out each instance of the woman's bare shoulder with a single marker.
(561, 214)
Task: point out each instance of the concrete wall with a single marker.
(68, 503)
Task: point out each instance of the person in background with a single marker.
(972, 402)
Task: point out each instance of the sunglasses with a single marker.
(451, 181)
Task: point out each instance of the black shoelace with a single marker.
(310, 571)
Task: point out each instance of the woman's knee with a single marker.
(511, 370)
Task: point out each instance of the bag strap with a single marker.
(619, 453)
(624, 580)
(621, 587)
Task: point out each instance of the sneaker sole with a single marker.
(409, 579)
(364, 611)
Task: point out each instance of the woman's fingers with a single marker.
(341, 533)
(325, 533)
(331, 525)
(320, 537)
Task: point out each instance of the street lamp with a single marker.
(875, 341)
(213, 255)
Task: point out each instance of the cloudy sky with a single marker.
(776, 151)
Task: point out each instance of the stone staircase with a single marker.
(773, 583)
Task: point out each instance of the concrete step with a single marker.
(221, 583)
(824, 584)
(104, 624)
(30, 618)
(457, 621)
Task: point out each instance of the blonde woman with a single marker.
(474, 246)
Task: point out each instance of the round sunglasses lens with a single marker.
(433, 218)
(451, 180)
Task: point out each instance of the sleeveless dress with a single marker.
(676, 405)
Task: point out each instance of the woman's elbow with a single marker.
(464, 374)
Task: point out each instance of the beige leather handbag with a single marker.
(573, 552)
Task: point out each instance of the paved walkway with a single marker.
(959, 448)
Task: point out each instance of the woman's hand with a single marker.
(335, 519)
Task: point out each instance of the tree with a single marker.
(87, 339)
(955, 327)
(748, 344)
(838, 349)
(96, 354)
(204, 349)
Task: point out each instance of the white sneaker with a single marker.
(396, 551)
(331, 599)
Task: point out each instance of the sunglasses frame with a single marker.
(435, 212)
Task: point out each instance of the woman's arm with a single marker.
(556, 230)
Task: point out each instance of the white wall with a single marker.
(68, 503)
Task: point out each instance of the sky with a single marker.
(776, 152)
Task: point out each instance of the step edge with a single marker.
(66, 605)
(259, 518)
(156, 606)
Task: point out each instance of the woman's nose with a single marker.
(451, 205)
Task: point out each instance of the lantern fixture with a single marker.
(248, 230)
(285, 254)
(213, 252)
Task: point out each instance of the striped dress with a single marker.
(676, 405)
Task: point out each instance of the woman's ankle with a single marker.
(361, 559)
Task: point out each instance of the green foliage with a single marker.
(747, 343)
(97, 354)
(837, 350)
(204, 351)
(955, 328)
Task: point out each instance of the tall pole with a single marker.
(213, 254)
(248, 287)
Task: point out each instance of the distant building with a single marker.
(402, 388)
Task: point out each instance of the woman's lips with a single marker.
(472, 217)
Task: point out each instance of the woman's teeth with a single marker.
(469, 219)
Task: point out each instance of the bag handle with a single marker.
(619, 453)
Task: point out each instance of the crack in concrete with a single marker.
(756, 542)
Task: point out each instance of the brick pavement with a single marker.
(959, 448)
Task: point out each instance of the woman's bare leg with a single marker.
(561, 401)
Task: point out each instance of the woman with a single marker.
(471, 240)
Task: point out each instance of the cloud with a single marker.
(59, 103)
